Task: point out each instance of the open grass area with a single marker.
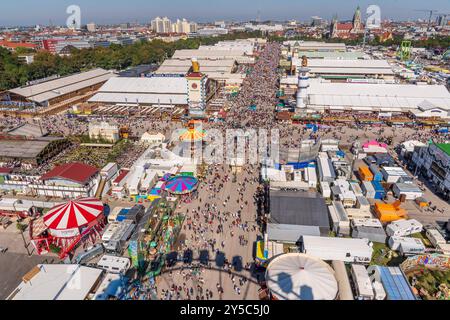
(383, 256)
(97, 157)
(424, 239)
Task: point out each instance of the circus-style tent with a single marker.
(68, 219)
(296, 276)
(67, 225)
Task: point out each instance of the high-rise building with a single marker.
(162, 25)
(316, 21)
(184, 26)
(91, 27)
(220, 24)
(441, 20)
(193, 27)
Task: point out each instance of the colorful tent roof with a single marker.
(73, 214)
(191, 135)
(374, 143)
(181, 185)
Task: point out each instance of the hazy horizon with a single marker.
(31, 12)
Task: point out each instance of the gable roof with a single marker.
(76, 171)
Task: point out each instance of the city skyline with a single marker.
(143, 12)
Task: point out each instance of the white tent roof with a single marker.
(157, 90)
(208, 54)
(155, 85)
(296, 276)
(393, 97)
(127, 98)
(58, 282)
(54, 88)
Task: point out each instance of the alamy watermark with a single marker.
(373, 20)
(74, 19)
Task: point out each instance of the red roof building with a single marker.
(14, 45)
(77, 172)
(120, 177)
(4, 170)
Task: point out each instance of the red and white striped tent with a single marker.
(69, 219)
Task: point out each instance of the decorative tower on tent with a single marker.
(196, 91)
(303, 83)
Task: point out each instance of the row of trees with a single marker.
(13, 73)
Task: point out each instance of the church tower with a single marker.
(333, 27)
(357, 24)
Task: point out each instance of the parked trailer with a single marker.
(342, 249)
(403, 227)
(326, 170)
(362, 282)
(435, 237)
(325, 189)
(406, 245)
(89, 254)
(117, 242)
(114, 264)
(380, 193)
(356, 188)
(409, 190)
(109, 171)
(369, 190)
(377, 175)
(393, 174)
(16, 207)
(365, 174)
(343, 221)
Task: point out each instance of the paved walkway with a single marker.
(200, 233)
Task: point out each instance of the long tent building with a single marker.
(341, 70)
(422, 101)
(50, 96)
(158, 91)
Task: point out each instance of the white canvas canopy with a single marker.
(296, 276)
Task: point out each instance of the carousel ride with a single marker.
(68, 225)
(180, 185)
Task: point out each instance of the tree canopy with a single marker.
(13, 73)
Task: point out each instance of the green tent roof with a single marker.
(444, 147)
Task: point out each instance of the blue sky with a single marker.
(31, 12)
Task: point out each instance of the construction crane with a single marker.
(431, 12)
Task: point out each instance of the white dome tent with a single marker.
(296, 276)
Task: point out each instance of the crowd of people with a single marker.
(223, 220)
(222, 223)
